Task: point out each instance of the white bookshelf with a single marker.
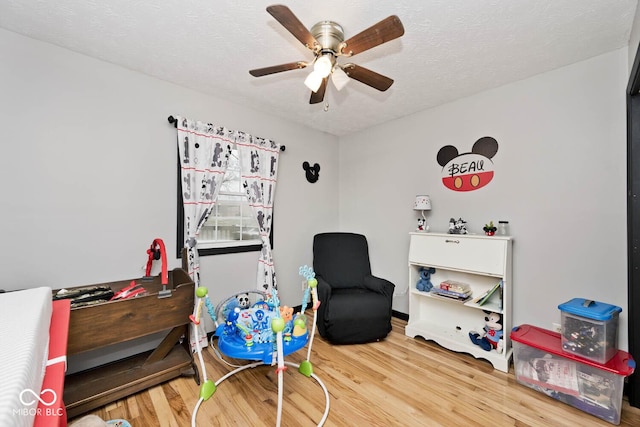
(481, 262)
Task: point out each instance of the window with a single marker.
(232, 226)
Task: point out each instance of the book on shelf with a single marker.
(451, 294)
(448, 297)
(482, 299)
(452, 285)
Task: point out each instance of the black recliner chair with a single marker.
(355, 307)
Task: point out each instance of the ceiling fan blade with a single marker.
(382, 32)
(318, 96)
(259, 72)
(289, 21)
(368, 77)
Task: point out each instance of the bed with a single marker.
(32, 358)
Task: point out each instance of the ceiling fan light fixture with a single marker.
(327, 42)
(339, 77)
(313, 81)
(323, 65)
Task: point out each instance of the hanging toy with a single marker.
(201, 292)
(308, 273)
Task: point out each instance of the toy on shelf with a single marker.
(252, 325)
(492, 335)
(457, 226)
(424, 282)
(489, 229)
(422, 225)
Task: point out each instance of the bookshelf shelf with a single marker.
(484, 263)
(490, 306)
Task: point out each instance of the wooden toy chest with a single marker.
(101, 325)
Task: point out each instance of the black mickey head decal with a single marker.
(312, 172)
(468, 171)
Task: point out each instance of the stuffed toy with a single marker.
(492, 337)
(457, 226)
(286, 313)
(243, 300)
(424, 282)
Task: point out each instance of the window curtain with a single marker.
(204, 155)
(258, 172)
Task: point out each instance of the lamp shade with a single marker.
(339, 78)
(313, 81)
(323, 66)
(422, 203)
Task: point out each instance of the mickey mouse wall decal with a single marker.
(312, 172)
(468, 171)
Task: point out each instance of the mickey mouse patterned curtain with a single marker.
(204, 155)
(258, 172)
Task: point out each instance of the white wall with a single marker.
(88, 174)
(560, 179)
(100, 180)
(634, 38)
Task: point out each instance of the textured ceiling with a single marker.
(451, 48)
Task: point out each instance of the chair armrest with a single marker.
(324, 294)
(324, 289)
(379, 285)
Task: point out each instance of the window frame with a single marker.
(232, 249)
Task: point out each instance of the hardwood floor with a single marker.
(397, 382)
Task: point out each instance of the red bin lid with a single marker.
(551, 342)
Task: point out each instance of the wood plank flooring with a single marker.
(397, 382)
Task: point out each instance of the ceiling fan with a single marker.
(326, 40)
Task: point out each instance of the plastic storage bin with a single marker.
(590, 329)
(591, 387)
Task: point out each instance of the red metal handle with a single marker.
(159, 244)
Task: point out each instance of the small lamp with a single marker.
(422, 203)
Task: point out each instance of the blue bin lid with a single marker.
(590, 309)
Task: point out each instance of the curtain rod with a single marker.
(174, 122)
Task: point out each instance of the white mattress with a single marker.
(24, 343)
